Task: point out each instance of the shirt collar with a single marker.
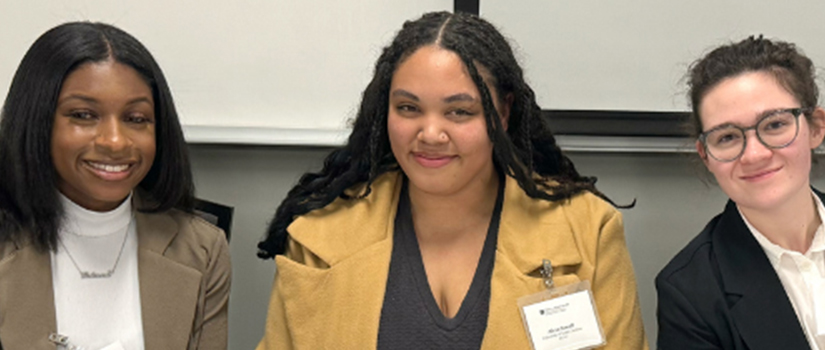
(818, 243)
(775, 252)
(83, 222)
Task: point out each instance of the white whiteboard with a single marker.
(632, 54)
(240, 66)
(291, 71)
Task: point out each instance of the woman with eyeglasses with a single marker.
(754, 277)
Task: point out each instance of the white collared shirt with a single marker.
(803, 277)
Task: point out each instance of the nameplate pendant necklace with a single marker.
(95, 274)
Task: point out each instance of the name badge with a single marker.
(563, 318)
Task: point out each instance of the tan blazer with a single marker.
(329, 288)
(184, 276)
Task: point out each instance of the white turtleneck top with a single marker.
(101, 313)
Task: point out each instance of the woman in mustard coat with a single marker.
(425, 229)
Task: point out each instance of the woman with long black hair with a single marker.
(425, 229)
(99, 248)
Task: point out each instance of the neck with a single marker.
(792, 226)
(84, 222)
(445, 218)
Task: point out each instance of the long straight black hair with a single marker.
(526, 151)
(29, 205)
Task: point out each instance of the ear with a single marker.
(504, 113)
(817, 127)
(700, 148)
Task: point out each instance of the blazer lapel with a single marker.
(339, 306)
(760, 308)
(168, 290)
(530, 230)
(27, 315)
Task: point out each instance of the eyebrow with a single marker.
(77, 97)
(405, 93)
(448, 99)
(459, 97)
(95, 101)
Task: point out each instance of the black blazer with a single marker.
(721, 292)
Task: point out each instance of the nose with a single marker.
(432, 131)
(112, 137)
(754, 151)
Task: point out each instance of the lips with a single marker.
(109, 172)
(433, 160)
(759, 176)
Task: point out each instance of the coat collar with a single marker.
(535, 229)
(354, 237)
(760, 308)
(344, 228)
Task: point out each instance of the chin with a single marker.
(112, 196)
(762, 201)
(430, 185)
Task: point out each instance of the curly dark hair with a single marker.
(784, 61)
(526, 151)
(29, 204)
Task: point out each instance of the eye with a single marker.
(139, 119)
(80, 114)
(407, 109)
(775, 125)
(461, 112)
(723, 138)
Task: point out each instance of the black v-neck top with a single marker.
(410, 317)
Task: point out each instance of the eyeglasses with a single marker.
(775, 129)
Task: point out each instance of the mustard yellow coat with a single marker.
(329, 287)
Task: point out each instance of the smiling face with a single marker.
(762, 178)
(103, 140)
(436, 123)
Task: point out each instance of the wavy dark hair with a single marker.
(526, 151)
(788, 65)
(29, 205)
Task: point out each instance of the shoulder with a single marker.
(7, 249)
(193, 228)
(183, 237)
(582, 206)
(587, 205)
(694, 263)
(383, 191)
(585, 214)
(569, 231)
(347, 226)
(13, 241)
(12, 238)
